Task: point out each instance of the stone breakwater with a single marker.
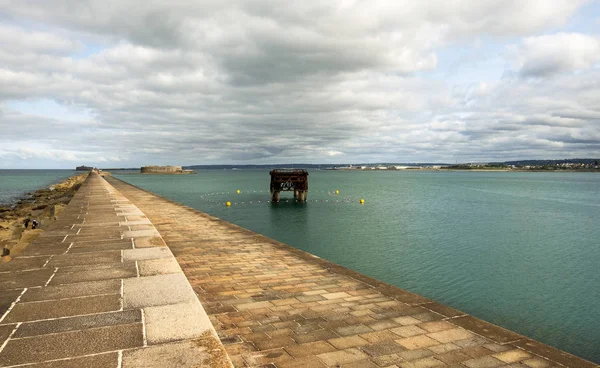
(99, 288)
(275, 306)
(42, 205)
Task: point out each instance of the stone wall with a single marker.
(162, 170)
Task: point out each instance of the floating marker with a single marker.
(337, 191)
(239, 191)
(362, 201)
(228, 204)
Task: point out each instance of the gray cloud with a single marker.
(228, 81)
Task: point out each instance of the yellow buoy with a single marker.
(337, 191)
(362, 201)
(239, 191)
(228, 204)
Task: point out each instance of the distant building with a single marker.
(84, 168)
(165, 170)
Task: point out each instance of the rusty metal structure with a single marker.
(287, 180)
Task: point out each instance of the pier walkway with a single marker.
(99, 288)
(275, 306)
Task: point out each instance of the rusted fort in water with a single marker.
(287, 180)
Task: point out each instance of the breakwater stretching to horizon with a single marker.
(515, 249)
(426, 232)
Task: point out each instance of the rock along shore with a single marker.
(42, 205)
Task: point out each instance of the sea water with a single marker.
(15, 183)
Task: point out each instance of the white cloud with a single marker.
(550, 54)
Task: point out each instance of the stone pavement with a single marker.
(275, 306)
(99, 288)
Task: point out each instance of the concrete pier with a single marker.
(276, 306)
(126, 278)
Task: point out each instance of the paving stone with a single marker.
(72, 290)
(116, 271)
(484, 362)
(305, 362)
(158, 266)
(348, 342)
(71, 344)
(100, 246)
(382, 348)
(451, 335)
(453, 357)
(23, 312)
(5, 331)
(7, 298)
(408, 331)
(24, 263)
(407, 320)
(423, 363)
(417, 342)
(353, 330)
(360, 364)
(139, 254)
(78, 323)
(93, 361)
(436, 326)
(89, 258)
(139, 233)
(311, 348)
(191, 353)
(175, 322)
(415, 354)
(24, 279)
(157, 290)
(512, 356)
(341, 357)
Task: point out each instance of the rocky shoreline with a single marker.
(43, 205)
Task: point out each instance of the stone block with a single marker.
(71, 344)
(24, 279)
(157, 290)
(139, 233)
(23, 312)
(417, 342)
(201, 353)
(93, 361)
(116, 271)
(29, 329)
(139, 254)
(158, 266)
(451, 335)
(174, 322)
(72, 290)
(338, 358)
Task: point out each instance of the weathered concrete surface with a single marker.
(85, 295)
(276, 306)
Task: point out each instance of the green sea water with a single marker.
(520, 250)
(15, 183)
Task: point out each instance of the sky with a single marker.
(127, 83)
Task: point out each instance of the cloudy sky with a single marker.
(133, 82)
